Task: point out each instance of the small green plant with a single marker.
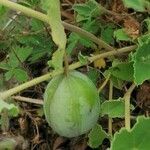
(71, 101)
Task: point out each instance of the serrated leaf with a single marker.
(57, 58)
(148, 24)
(113, 108)
(107, 34)
(36, 25)
(138, 5)
(144, 39)
(135, 139)
(22, 52)
(123, 71)
(18, 55)
(121, 35)
(87, 10)
(9, 74)
(5, 66)
(12, 109)
(21, 75)
(96, 136)
(141, 65)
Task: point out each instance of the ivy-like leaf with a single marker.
(135, 139)
(113, 108)
(141, 65)
(123, 71)
(96, 136)
(121, 35)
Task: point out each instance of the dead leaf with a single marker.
(143, 96)
(132, 27)
(59, 141)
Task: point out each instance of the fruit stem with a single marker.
(35, 81)
(66, 67)
(127, 106)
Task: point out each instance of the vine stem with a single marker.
(35, 81)
(66, 67)
(104, 84)
(38, 15)
(127, 106)
(110, 98)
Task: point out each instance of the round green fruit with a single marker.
(71, 104)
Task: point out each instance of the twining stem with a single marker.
(8, 93)
(110, 98)
(104, 83)
(38, 15)
(29, 100)
(127, 106)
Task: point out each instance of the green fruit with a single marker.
(71, 104)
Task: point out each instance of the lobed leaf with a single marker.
(113, 108)
(96, 136)
(135, 139)
(141, 59)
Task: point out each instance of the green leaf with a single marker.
(93, 74)
(21, 75)
(19, 55)
(121, 35)
(141, 65)
(88, 10)
(148, 24)
(107, 34)
(91, 26)
(113, 108)
(23, 52)
(138, 5)
(123, 71)
(9, 74)
(3, 16)
(82, 59)
(57, 58)
(144, 39)
(117, 83)
(13, 110)
(5, 66)
(36, 25)
(96, 136)
(135, 139)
